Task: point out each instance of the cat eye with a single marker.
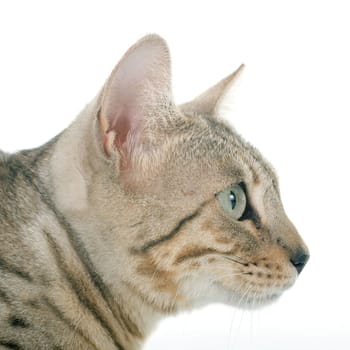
(233, 200)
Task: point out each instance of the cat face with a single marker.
(206, 219)
(206, 253)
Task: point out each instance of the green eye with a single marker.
(233, 200)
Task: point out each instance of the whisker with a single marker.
(234, 260)
(231, 326)
(240, 302)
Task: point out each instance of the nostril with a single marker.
(299, 260)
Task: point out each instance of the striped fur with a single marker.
(115, 223)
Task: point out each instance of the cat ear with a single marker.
(138, 88)
(211, 100)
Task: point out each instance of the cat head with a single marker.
(194, 211)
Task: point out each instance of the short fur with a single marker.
(115, 222)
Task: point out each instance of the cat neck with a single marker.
(77, 179)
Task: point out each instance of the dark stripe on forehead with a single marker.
(149, 245)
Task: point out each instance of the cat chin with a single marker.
(249, 303)
(257, 303)
(223, 295)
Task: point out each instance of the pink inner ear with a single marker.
(121, 127)
(140, 81)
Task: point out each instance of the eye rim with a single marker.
(250, 213)
(241, 200)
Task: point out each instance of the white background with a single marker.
(293, 104)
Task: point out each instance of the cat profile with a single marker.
(139, 209)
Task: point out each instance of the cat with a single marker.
(138, 210)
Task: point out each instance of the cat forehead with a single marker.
(224, 142)
(216, 146)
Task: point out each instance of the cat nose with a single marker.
(300, 259)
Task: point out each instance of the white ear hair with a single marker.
(215, 98)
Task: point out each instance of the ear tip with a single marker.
(155, 40)
(153, 37)
(239, 70)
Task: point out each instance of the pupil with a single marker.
(233, 200)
